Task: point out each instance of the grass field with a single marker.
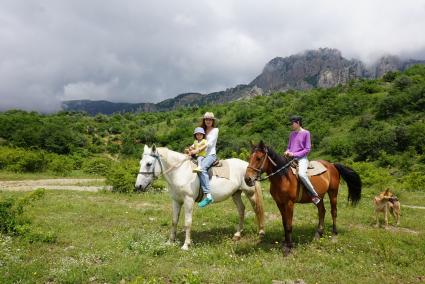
(114, 238)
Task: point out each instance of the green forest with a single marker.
(375, 126)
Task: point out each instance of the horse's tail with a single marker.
(259, 205)
(353, 180)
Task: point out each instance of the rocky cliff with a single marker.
(322, 68)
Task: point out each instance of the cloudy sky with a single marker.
(147, 51)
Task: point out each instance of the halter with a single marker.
(157, 158)
(260, 170)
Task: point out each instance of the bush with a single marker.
(372, 175)
(19, 160)
(123, 176)
(414, 181)
(339, 147)
(61, 165)
(12, 221)
(402, 82)
(97, 166)
(390, 76)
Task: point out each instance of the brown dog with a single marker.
(384, 202)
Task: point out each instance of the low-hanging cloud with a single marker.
(148, 51)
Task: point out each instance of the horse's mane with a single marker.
(170, 154)
(278, 159)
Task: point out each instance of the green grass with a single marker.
(106, 238)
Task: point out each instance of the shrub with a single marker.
(122, 176)
(390, 76)
(402, 82)
(97, 166)
(372, 175)
(12, 221)
(61, 165)
(414, 181)
(339, 147)
(19, 160)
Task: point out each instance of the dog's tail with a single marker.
(353, 181)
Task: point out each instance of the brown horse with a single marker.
(285, 187)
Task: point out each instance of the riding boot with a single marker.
(307, 183)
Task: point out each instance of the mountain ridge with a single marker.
(324, 68)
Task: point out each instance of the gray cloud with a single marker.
(147, 51)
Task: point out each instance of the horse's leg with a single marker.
(241, 210)
(386, 215)
(259, 211)
(321, 210)
(188, 209)
(176, 213)
(333, 200)
(287, 226)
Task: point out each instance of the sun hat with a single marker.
(209, 115)
(199, 130)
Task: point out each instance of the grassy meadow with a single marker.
(108, 237)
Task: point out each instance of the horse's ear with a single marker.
(153, 148)
(146, 149)
(262, 145)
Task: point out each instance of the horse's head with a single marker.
(258, 163)
(150, 168)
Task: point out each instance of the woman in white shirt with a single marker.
(208, 123)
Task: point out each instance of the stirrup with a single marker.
(316, 200)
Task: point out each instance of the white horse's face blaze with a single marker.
(147, 170)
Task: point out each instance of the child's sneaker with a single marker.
(206, 201)
(197, 170)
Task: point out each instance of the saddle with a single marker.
(220, 168)
(314, 168)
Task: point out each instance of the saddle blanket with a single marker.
(314, 168)
(221, 170)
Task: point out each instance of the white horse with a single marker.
(184, 187)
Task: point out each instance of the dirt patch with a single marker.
(389, 228)
(54, 184)
(413, 206)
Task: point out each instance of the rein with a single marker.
(158, 158)
(260, 170)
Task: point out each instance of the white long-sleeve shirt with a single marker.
(212, 141)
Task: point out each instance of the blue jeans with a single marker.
(203, 176)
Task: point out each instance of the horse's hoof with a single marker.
(334, 239)
(170, 243)
(262, 234)
(287, 251)
(185, 247)
(236, 237)
(317, 236)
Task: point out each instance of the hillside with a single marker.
(375, 122)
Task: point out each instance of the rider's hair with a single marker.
(296, 118)
(204, 126)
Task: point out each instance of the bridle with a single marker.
(157, 158)
(260, 170)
